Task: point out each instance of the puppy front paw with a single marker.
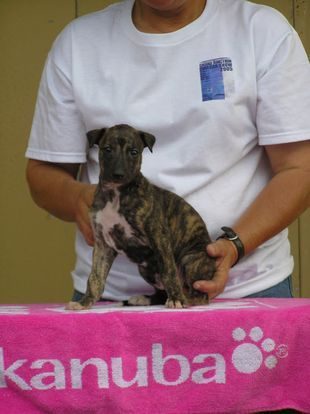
(76, 306)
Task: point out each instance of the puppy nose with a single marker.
(118, 171)
(118, 176)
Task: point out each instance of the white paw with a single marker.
(140, 300)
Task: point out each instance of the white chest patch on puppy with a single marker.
(108, 218)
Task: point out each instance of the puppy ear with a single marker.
(94, 136)
(148, 139)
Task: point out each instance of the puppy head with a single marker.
(120, 152)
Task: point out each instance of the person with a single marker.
(224, 87)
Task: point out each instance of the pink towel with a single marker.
(233, 356)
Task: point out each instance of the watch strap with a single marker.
(231, 235)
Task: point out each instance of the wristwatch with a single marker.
(232, 236)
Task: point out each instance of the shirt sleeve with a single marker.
(283, 85)
(58, 131)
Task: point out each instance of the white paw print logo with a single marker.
(248, 357)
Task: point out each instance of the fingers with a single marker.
(86, 230)
(215, 286)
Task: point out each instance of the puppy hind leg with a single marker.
(196, 267)
(174, 288)
(164, 274)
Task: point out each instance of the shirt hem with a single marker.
(284, 138)
(239, 292)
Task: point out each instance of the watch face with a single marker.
(229, 233)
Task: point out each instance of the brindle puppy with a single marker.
(154, 227)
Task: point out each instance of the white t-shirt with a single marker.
(213, 93)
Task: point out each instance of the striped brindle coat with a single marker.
(153, 227)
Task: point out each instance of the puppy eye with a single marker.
(134, 152)
(107, 149)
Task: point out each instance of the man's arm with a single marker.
(54, 188)
(284, 198)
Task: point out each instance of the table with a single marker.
(232, 356)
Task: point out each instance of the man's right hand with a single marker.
(84, 202)
(55, 188)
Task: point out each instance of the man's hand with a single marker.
(226, 255)
(55, 188)
(84, 202)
